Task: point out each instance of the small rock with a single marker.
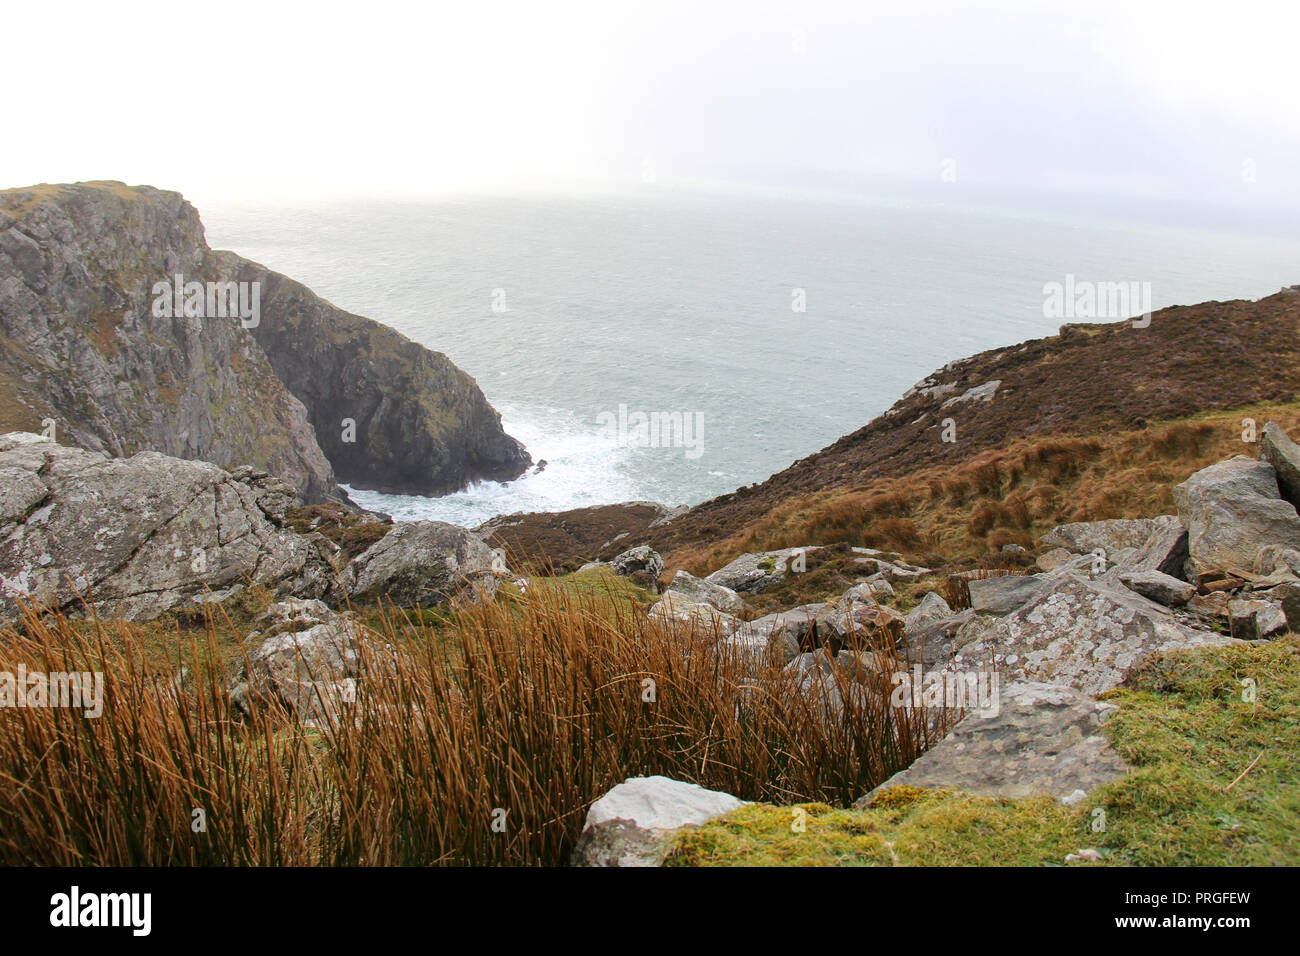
(931, 609)
(880, 586)
(1287, 595)
(706, 592)
(1158, 586)
(1213, 605)
(642, 564)
(1256, 620)
(1051, 560)
(1277, 448)
(1004, 593)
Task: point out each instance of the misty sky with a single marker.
(263, 99)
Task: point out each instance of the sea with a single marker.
(674, 344)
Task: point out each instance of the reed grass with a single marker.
(479, 739)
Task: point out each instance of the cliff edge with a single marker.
(122, 331)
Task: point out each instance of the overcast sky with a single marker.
(1184, 100)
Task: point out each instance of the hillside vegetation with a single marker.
(1197, 795)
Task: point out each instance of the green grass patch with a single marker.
(1187, 722)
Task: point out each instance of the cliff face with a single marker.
(80, 344)
(390, 414)
(84, 341)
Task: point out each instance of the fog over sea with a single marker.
(673, 300)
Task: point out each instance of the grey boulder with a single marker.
(642, 564)
(755, 573)
(675, 609)
(931, 609)
(1253, 620)
(1158, 586)
(634, 823)
(305, 663)
(1140, 544)
(424, 564)
(706, 592)
(1043, 740)
(1232, 510)
(1110, 535)
(1277, 448)
(774, 639)
(1087, 634)
(137, 536)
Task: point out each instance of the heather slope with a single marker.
(1090, 381)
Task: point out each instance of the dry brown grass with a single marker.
(524, 710)
(1008, 495)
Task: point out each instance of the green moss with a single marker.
(1185, 722)
(600, 582)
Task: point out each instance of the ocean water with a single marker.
(578, 312)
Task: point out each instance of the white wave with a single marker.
(583, 468)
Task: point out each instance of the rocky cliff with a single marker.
(419, 425)
(99, 335)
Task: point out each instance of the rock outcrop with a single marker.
(706, 592)
(421, 425)
(91, 341)
(1232, 510)
(755, 573)
(80, 344)
(1083, 633)
(424, 564)
(136, 536)
(1043, 740)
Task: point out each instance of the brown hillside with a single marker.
(1088, 380)
(1091, 423)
